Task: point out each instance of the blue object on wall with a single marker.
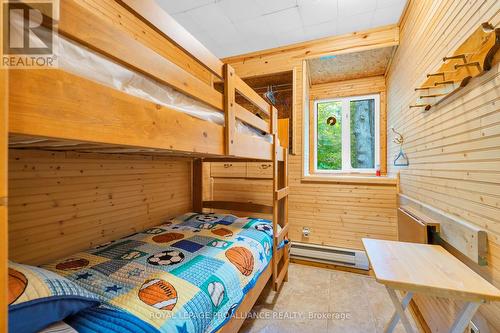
(401, 158)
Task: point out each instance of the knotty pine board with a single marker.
(3, 192)
(454, 150)
(64, 202)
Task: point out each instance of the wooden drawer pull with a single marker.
(265, 166)
(227, 165)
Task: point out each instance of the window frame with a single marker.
(346, 134)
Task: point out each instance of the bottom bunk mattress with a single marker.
(187, 275)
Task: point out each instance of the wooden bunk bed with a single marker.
(54, 109)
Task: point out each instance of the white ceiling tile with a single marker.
(385, 16)
(391, 3)
(256, 28)
(272, 6)
(284, 20)
(290, 37)
(225, 51)
(187, 22)
(214, 23)
(177, 6)
(354, 23)
(208, 41)
(325, 29)
(240, 10)
(354, 7)
(230, 27)
(314, 12)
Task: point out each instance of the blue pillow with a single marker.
(38, 298)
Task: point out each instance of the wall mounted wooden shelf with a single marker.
(471, 59)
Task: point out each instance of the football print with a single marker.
(72, 264)
(223, 232)
(166, 258)
(159, 294)
(17, 285)
(168, 237)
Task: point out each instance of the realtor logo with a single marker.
(28, 31)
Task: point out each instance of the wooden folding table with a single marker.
(430, 270)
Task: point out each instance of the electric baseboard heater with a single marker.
(330, 255)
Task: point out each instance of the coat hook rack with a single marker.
(425, 106)
(469, 60)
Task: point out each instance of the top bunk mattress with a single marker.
(84, 62)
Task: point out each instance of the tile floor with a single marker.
(360, 304)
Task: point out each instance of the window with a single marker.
(346, 137)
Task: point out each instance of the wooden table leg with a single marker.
(391, 325)
(464, 317)
(400, 311)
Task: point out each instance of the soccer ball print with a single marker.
(166, 258)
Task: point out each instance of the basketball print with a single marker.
(17, 285)
(159, 294)
(168, 237)
(206, 218)
(241, 258)
(72, 264)
(268, 229)
(223, 232)
(166, 258)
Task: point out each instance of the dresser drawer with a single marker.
(259, 170)
(228, 169)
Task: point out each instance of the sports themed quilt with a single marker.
(187, 275)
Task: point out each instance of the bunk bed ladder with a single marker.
(281, 257)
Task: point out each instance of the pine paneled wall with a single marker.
(64, 202)
(336, 214)
(453, 149)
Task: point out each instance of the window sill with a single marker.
(352, 179)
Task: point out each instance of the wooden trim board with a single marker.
(467, 238)
(238, 206)
(152, 14)
(285, 58)
(52, 110)
(4, 239)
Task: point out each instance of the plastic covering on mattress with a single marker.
(81, 61)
